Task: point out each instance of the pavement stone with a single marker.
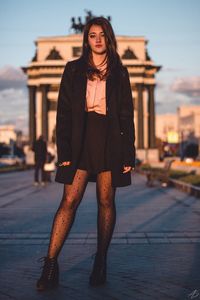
(154, 252)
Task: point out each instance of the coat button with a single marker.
(121, 133)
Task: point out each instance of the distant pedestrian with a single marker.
(50, 163)
(40, 150)
(95, 142)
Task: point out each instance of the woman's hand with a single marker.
(127, 169)
(65, 163)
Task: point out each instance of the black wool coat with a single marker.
(71, 116)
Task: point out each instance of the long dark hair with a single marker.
(112, 56)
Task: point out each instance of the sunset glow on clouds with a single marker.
(189, 86)
(13, 98)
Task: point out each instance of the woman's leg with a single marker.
(62, 224)
(36, 175)
(105, 225)
(65, 215)
(106, 218)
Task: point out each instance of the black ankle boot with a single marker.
(98, 275)
(50, 274)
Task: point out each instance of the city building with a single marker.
(167, 128)
(189, 122)
(184, 125)
(7, 134)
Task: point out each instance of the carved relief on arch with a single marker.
(129, 54)
(54, 55)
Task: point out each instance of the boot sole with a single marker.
(97, 283)
(46, 288)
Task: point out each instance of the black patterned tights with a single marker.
(66, 212)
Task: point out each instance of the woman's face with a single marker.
(96, 39)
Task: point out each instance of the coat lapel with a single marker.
(110, 83)
(80, 85)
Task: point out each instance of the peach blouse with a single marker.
(96, 96)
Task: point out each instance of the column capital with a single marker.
(140, 85)
(150, 87)
(43, 87)
(32, 87)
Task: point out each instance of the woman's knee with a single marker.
(70, 202)
(106, 201)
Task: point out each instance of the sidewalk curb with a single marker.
(185, 187)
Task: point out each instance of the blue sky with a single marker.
(172, 28)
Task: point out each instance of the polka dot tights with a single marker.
(65, 215)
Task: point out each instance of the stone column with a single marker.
(140, 117)
(151, 117)
(44, 89)
(32, 112)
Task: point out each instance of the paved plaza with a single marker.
(154, 254)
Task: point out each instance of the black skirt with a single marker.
(94, 155)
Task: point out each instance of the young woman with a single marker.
(95, 142)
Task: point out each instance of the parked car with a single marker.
(11, 160)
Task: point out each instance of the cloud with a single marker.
(168, 102)
(13, 97)
(182, 91)
(189, 86)
(160, 85)
(14, 108)
(11, 77)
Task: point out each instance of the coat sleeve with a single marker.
(127, 121)
(64, 117)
